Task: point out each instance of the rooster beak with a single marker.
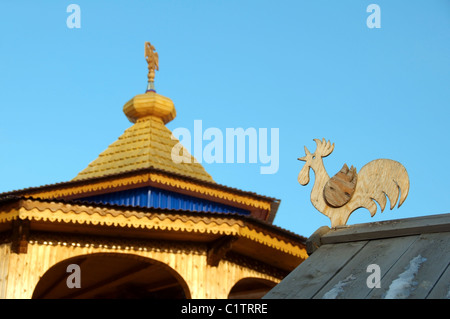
(304, 157)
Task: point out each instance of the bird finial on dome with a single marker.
(151, 56)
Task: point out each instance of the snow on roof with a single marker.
(401, 287)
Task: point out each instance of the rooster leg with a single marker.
(339, 219)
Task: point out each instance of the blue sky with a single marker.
(313, 69)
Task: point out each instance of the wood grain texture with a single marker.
(436, 260)
(340, 188)
(441, 288)
(383, 252)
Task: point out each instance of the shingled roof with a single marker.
(397, 259)
(146, 144)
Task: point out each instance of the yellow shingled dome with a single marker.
(146, 144)
(150, 104)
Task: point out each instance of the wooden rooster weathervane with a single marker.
(338, 197)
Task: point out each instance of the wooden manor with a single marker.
(138, 225)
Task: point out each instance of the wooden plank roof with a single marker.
(411, 256)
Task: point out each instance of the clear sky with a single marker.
(312, 69)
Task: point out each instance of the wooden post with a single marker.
(20, 235)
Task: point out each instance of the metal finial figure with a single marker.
(152, 60)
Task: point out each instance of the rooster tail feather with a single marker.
(380, 179)
(404, 187)
(392, 192)
(380, 198)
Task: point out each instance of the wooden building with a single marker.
(138, 225)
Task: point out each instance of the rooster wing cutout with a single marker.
(338, 197)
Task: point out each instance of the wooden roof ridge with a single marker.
(378, 230)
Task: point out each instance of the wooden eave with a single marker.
(247, 236)
(260, 206)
